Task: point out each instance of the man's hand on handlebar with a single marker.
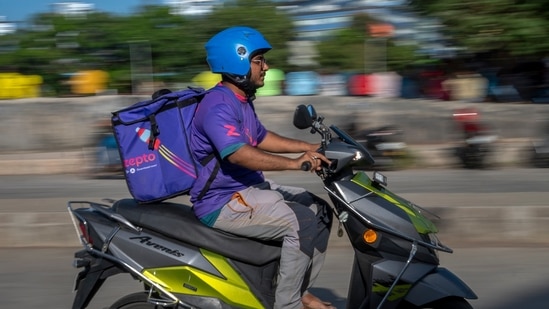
(312, 161)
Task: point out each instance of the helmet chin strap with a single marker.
(243, 83)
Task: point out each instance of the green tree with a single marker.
(259, 14)
(514, 27)
(348, 49)
(401, 57)
(172, 40)
(55, 45)
(353, 49)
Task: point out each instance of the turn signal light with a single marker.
(369, 236)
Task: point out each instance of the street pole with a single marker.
(140, 65)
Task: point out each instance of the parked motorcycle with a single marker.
(539, 153)
(538, 150)
(477, 143)
(185, 264)
(105, 159)
(385, 144)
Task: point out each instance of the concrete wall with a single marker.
(54, 124)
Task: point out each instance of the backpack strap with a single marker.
(212, 175)
(154, 131)
(215, 154)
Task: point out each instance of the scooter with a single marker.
(477, 143)
(185, 264)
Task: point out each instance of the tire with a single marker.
(134, 301)
(444, 303)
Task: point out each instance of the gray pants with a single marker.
(301, 220)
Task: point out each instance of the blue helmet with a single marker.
(230, 51)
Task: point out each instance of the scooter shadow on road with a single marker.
(329, 296)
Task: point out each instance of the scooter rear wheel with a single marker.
(134, 301)
(444, 303)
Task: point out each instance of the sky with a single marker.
(21, 10)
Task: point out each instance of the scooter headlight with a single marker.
(358, 156)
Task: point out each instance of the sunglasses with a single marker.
(260, 61)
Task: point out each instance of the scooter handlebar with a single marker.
(306, 166)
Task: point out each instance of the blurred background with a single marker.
(449, 50)
(453, 94)
(64, 66)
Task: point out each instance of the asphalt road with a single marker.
(504, 180)
(503, 277)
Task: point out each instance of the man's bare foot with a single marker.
(310, 301)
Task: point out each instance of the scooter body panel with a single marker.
(229, 288)
(383, 207)
(377, 276)
(194, 274)
(377, 265)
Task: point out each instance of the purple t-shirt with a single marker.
(219, 126)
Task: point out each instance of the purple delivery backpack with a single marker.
(152, 139)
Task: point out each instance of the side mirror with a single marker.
(302, 117)
(312, 111)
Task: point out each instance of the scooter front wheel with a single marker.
(444, 303)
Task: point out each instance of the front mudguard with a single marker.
(438, 284)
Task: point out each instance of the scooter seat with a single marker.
(178, 221)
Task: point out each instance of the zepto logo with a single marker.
(167, 154)
(137, 161)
